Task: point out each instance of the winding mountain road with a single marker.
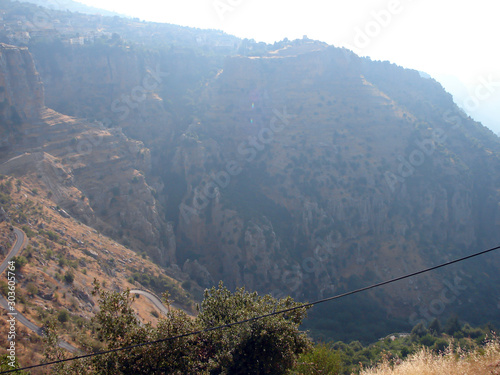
(16, 249)
(153, 298)
(18, 246)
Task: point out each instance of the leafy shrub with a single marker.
(69, 277)
(19, 262)
(320, 360)
(29, 232)
(63, 316)
(265, 346)
(32, 289)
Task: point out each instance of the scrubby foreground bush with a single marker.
(265, 346)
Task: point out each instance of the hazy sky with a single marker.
(455, 41)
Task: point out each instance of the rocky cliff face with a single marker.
(303, 171)
(20, 83)
(95, 173)
(109, 84)
(21, 91)
(309, 170)
(142, 92)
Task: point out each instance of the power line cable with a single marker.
(229, 325)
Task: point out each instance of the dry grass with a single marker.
(457, 362)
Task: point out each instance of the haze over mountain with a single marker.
(72, 6)
(487, 112)
(294, 168)
(376, 29)
(422, 35)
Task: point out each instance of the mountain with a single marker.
(295, 169)
(487, 111)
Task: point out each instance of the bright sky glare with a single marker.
(455, 41)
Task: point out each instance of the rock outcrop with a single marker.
(309, 169)
(95, 173)
(301, 171)
(21, 90)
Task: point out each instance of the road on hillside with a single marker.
(15, 250)
(18, 246)
(150, 296)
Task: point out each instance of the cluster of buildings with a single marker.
(19, 30)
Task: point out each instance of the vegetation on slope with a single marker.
(272, 345)
(55, 271)
(434, 343)
(265, 346)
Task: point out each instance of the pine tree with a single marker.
(435, 327)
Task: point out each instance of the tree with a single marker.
(265, 346)
(52, 350)
(19, 262)
(419, 331)
(435, 327)
(322, 359)
(69, 277)
(440, 345)
(63, 316)
(6, 362)
(32, 289)
(452, 325)
(404, 352)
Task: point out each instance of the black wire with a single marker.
(229, 325)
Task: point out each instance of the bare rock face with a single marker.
(343, 169)
(3, 215)
(198, 273)
(301, 172)
(168, 255)
(21, 90)
(115, 86)
(96, 173)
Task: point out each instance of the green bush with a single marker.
(69, 277)
(29, 232)
(265, 346)
(5, 362)
(52, 235)
(63, 316)
(322, 359)
(440, 345)
(32, 289)
(19, 262)
(428, 340)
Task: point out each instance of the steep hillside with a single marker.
(73, 155)
(143, 92)
(57, 268)
(49, 164)
(297, 168)
(309, 171)
(314, 173)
